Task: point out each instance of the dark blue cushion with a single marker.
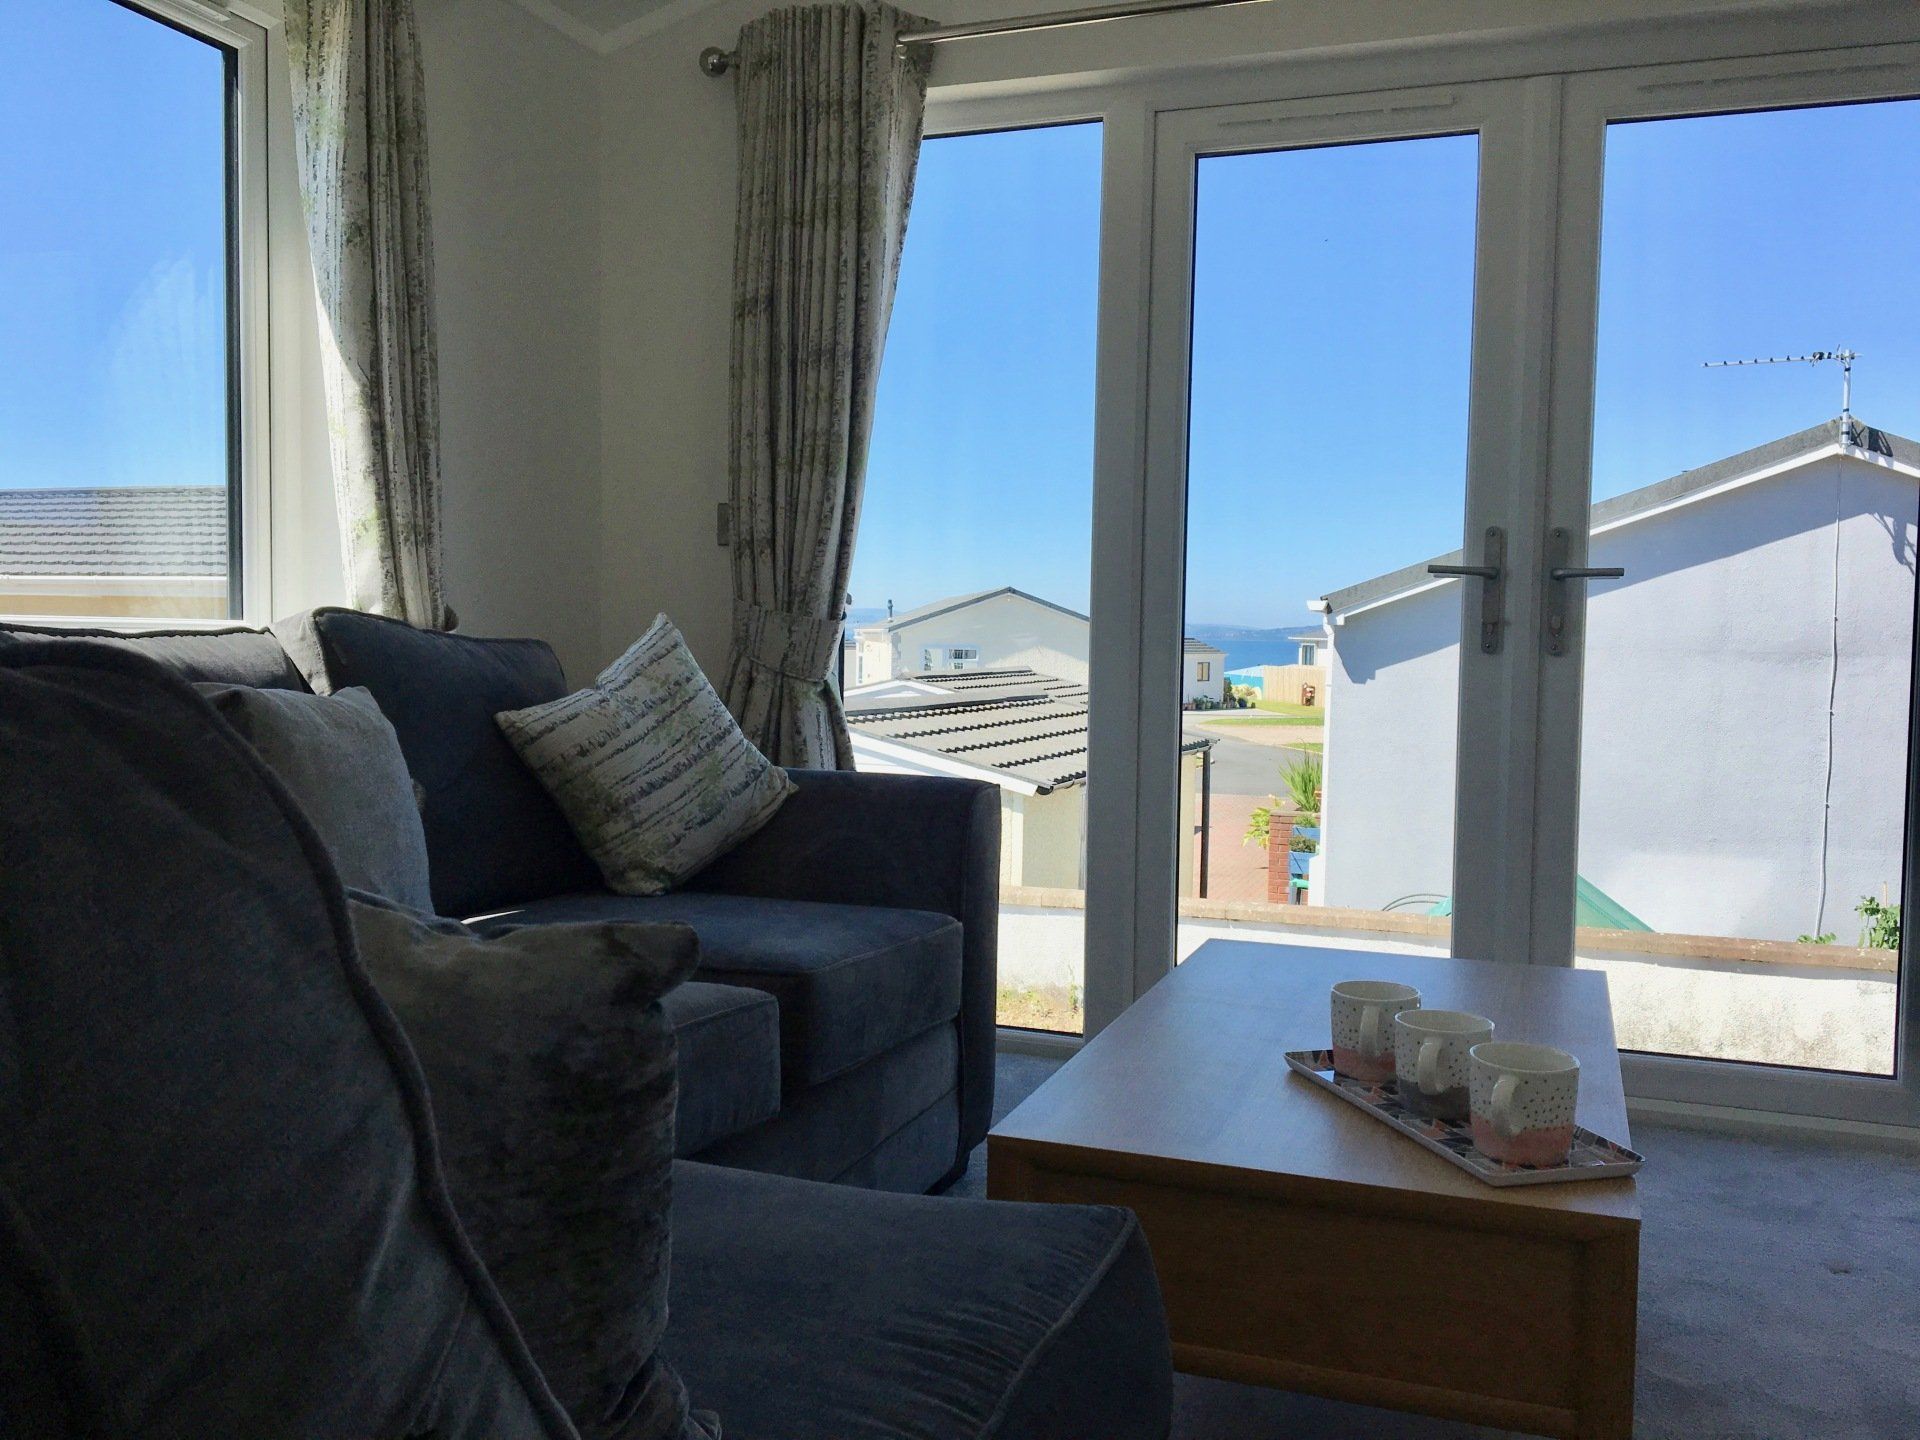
(852, 981)
(908, 842)
(494, 835)
(49, 1385)
(210, 1122)
(822, 1312)
(236, 655)
(845, 1130)
(338, 756)
(729, 1043)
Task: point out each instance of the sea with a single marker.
(1242, 654)
(1245, 654)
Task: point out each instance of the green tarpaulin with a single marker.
(1593, 909)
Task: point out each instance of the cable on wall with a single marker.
(1833, 690)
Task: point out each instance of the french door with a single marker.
(1459, 597)
(1331, 409)
(1758, 660)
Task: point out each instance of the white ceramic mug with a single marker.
(1431, 1061)
(1363, 1012)
(1522, 1099)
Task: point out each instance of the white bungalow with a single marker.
(989, 630)
(1746, 698)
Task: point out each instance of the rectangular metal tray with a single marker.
(1593, 1157)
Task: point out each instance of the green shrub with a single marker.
(1882, 930)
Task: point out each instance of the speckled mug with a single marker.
(1363, 1012)
(1522, 1100)
(1431, 1059)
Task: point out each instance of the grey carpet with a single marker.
(1779, 1298)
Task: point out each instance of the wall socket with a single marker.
(723, 524)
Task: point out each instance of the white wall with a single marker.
(513, 127)
(1704, 797)
(1386, 818)
(1192, 687)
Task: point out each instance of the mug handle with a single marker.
(1426, 1069)
(1370, 1030)
(1500, 1106)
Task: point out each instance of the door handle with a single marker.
(1492, 574)
(1559, 546)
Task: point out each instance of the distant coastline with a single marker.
(1246, 645)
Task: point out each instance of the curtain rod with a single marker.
(717, 62)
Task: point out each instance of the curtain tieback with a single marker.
(790, 643)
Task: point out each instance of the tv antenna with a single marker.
(1844, 358)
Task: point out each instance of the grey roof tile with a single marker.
(1016, 721)
(114, 530)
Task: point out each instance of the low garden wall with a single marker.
(1783, 1003)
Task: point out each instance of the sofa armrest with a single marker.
(910, 842)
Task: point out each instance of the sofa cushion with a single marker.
(728, 1038)
(649, 766)
(49, 1386)
(840, 1130)
(550, 1067)
(208, 1117)
(852, 981)
(339, 756)
(236, 655)
(494, 836)
(822, 1312)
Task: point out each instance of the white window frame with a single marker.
(1138, 521)
(1786, 81)
(247, 29)
(1493, 799)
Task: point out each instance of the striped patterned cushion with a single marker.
(648, 766)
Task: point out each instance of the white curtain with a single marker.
(360, 132)
(829, 133)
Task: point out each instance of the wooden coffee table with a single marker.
(1301, 1243)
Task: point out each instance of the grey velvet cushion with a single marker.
(649, 766)
(208, 1119)
(852, 981)
(551, 1069)
(342, 761)
(493, 834)
(823, 1312)
(728, 1039)
(235, 655)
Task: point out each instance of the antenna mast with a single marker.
(1844, 358)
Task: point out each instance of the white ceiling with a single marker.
(609, 25)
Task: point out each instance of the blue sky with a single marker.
(112, 249)
(1332, 320)
(1332, 324)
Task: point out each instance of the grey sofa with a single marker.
(841, 1024)
(146, 1286)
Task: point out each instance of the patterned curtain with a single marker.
(360, 131)
(830, 112)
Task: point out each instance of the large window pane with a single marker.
(1743, 779)
(114, 268)
(1332, 336)
(967, 646)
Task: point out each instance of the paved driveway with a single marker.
(1246, 767)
